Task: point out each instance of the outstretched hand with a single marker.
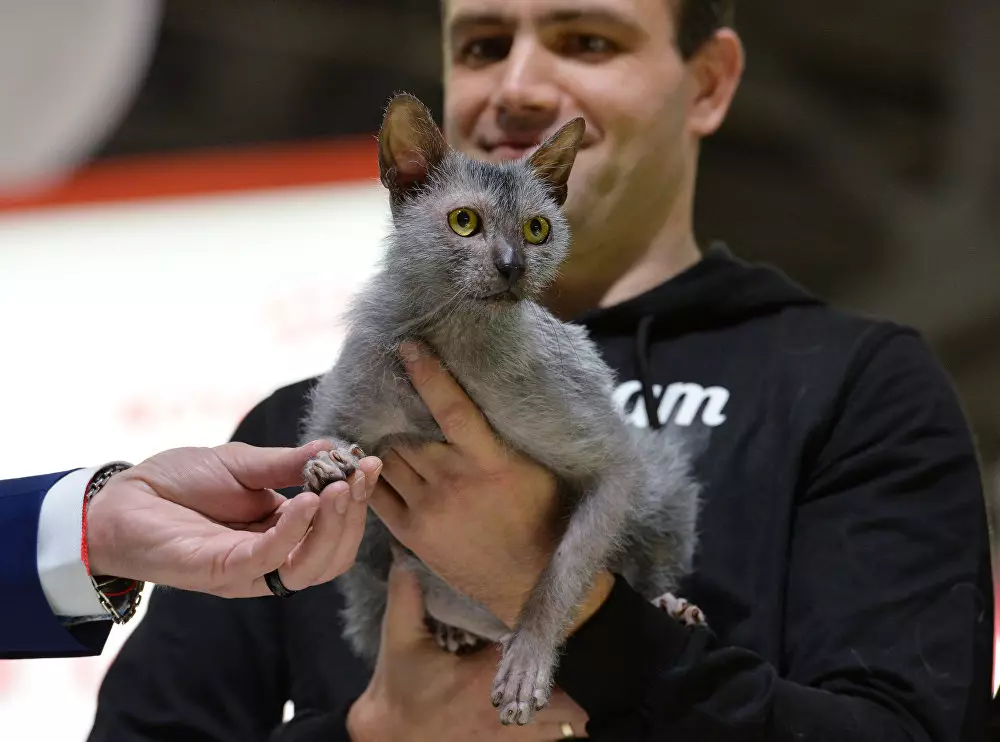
(209, 520)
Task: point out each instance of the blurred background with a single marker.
(188, 196)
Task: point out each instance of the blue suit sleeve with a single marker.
(28, 628)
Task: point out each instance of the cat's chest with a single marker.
(516, 402)
(527, 404)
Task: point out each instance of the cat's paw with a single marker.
(681, 609)
(328, 467)
(454, 640)
(524, 681)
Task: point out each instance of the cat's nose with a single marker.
(509, 262)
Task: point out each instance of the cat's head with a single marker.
(469, 232)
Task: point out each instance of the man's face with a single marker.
(518, 69)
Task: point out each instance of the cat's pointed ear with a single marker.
(554, 158)
(410, 144)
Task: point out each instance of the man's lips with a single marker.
(510, 151)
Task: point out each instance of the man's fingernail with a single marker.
(409, 351)
(340, 502)
(378, 471)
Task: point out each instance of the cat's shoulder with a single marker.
(565, 343)
(548, 326)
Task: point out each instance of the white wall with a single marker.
(128, 329)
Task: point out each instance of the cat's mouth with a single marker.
(504, 296)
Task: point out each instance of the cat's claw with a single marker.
(681, 609)
(328, 467)
(524, 680)
(454, 640)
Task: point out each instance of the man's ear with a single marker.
(410, 144)
(553, 160)
(717, 69)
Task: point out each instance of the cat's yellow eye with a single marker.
(464, 222)
(536, 230)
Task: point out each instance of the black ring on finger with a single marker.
(276, 586)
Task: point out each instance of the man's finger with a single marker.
(390, 508)
(267, 551)
(561, 709)
(350, 539)
(403, 624)
(308, 561)
(372, 467)
(458, 417)
(403, 478)
(267, 468)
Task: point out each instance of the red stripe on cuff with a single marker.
(83, 538)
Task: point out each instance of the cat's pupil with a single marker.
(463, 219)
(536, 227)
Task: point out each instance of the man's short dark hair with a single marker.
(698, 20)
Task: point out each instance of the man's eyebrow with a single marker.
(599, 15)
(463, 22)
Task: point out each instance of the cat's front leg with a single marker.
(335, 465)
(523, 683)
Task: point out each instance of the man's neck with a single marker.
(606, 277)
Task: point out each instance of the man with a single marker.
(843, 558)
(196, 518)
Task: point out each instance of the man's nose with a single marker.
(509, 262)
(527, 97)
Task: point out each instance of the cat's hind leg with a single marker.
(681, 609)
(452, 639)
(524, 680)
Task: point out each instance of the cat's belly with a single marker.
(452, 608)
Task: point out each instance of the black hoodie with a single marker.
(843, 558)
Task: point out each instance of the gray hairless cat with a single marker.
(472, 247)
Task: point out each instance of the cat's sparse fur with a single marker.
(540, 382)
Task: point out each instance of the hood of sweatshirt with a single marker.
(718, 290)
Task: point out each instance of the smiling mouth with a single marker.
(517, 150)
(507, 151)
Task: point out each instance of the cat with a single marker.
(473, 245)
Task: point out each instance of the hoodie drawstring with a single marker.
(642, 343)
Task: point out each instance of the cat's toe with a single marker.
(681, 609)
(322, 470)
(515, 713)
(454, 640)
(346, 460)
(523, 682)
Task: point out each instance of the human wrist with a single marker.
(598, 594)
(367, 719)
(103, 508)
(100, 534)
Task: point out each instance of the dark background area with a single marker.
(862, 156)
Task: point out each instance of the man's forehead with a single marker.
(510, 11)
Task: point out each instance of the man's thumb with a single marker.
(404, 611)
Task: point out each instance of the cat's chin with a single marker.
(501, 300)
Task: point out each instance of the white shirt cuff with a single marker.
(61, 569)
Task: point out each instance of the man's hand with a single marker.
(209, 520)
(480, 515)
(420, 693)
